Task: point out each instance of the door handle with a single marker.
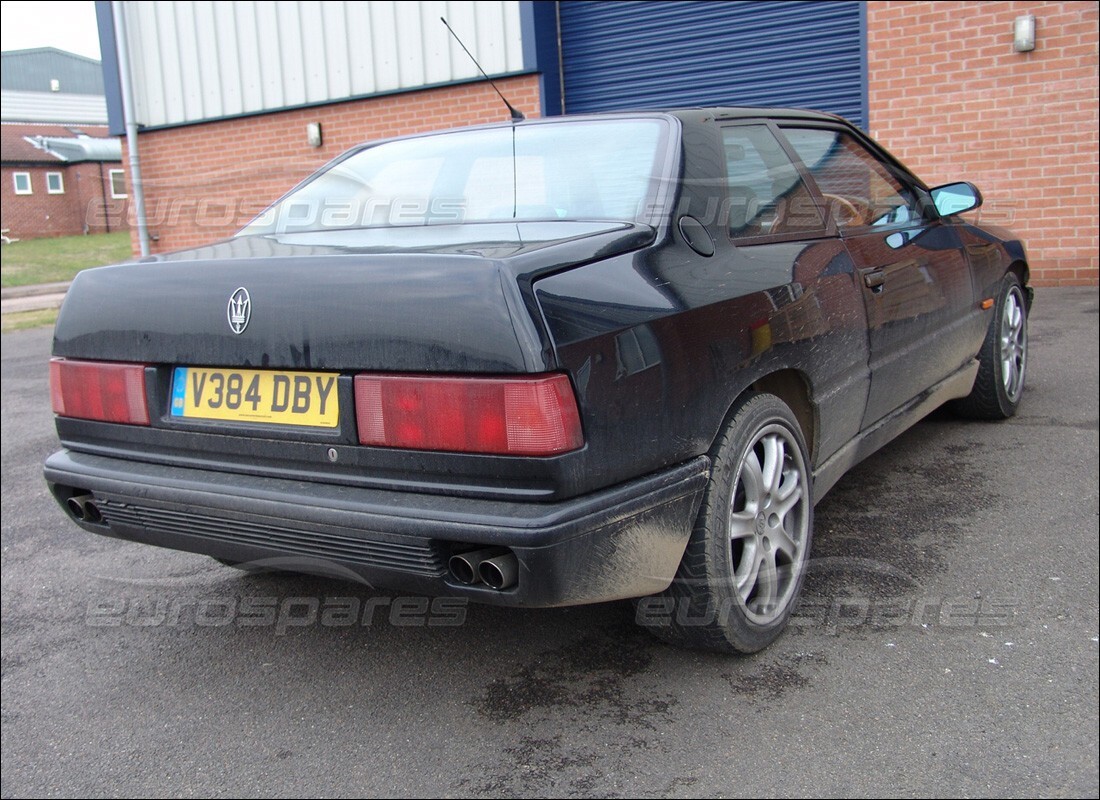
(874, 279)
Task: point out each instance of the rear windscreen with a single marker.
(591, 170)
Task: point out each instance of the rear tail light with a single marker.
(103, 391)
(530, 416)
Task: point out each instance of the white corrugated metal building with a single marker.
(197, 61)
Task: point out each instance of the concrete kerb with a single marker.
(32, 298)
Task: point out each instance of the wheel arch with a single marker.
(1023, 272)
(793, 387)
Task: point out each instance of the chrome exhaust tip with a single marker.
(91, 512)
(84, 509)
(464, 566)
(500, 572)
(76, 508)
(76, 505)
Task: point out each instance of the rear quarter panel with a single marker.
(661, 342)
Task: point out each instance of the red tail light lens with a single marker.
(534, 416)
(103, 391)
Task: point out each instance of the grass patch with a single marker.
(49, 260)
(21, 320)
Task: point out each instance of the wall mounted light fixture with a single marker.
(313, 134)
(1023, 34)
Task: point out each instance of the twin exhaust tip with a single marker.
(84, 508)
(495, 567)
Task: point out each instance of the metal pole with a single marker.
(125, 76)
(103, 197)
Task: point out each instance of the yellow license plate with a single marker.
(252, 395)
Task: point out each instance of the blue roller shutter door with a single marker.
(625, 55)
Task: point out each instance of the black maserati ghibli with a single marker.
(542, 363)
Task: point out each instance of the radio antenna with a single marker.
(517, 115)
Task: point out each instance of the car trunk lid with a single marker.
(436, 299)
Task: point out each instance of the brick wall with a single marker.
(80, 209)
(91, 183)
(203, 182)
(950, 98)
(28, 216)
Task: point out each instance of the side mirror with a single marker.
(955, 198)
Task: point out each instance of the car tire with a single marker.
(1003, 358)
(745, 562)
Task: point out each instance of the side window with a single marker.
(859, 189)
(118, 183)
(766, 193)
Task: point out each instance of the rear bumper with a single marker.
(621, 542)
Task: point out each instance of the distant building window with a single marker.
(22, 182)
(118, 183)
(55, 183)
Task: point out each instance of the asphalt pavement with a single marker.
(947, 644)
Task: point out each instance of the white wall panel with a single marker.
(513, 37)
(211, 69)
(223, 18)
(436, 42)
(250, 74)
(271, 63)
(51, 107)
(189, 60)
(290, 52)
(383, 48)
(410, 52)
(337, 55)
(361, 72)
(203, 59)
(317, 44)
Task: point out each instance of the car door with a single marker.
(913, 270)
